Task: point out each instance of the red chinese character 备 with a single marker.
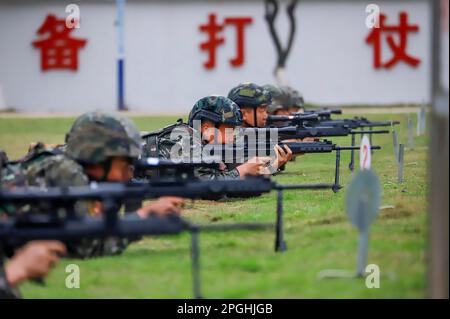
(58, 49)
(213, 29)
(399, 49)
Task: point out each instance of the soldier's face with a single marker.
(224, 134)
(121, 170)
(282, 112)
(248, 115)
(295, 109)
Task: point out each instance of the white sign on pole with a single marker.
(365, 155)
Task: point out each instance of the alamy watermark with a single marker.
(372, 276)
(73, 277)
(373, 17)
(73, 17)
(230, 146)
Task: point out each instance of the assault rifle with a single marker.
(112, 195)
(62, 223)
(310, 129)
(241, 152)
(323, 122)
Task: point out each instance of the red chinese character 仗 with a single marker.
(58, 50)
(398, 49)
(213, 30)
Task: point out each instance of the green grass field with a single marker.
(243, 264)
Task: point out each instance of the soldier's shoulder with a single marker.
(57, 170)
(167, 131)
(159, 143)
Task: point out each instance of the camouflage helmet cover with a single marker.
(280, 98)
(217, 109)
(295, 97)
(96, 137)
(250, 95)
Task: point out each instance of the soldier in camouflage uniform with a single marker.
(285, 100)
(100, 147)
(296, 101)
(216, 113)
(34, 260)
(253, 100)
(280, 100)
(13, 174)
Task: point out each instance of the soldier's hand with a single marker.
(34, 260)
(162, 206)
(283, 155)
(254, 167)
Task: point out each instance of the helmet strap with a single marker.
(254, 117)
(106, 165)
(216, 131)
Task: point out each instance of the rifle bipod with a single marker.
(280, 243)
(195, 246)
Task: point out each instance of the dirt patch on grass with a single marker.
(327, 221)
(397, 212)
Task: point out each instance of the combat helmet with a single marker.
(295, 97)
(280, 98)
(217, 109)
(250, 95)
(96, 137)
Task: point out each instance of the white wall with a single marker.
(27, 88)
(330, 61)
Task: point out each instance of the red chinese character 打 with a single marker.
(398, 49)
(58, 50)
(213, 29)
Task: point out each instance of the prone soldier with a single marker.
(215, 115)
(253, 101)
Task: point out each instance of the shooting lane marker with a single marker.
(280, 243)
(421, 120)
(401, 152)
(395, 142)
(410, 133)
(370, 138)
(423, 112)
(351, 165)
(195, 257)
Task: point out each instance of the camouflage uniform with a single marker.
(95, 138)
(6, 291)
(217, 109)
